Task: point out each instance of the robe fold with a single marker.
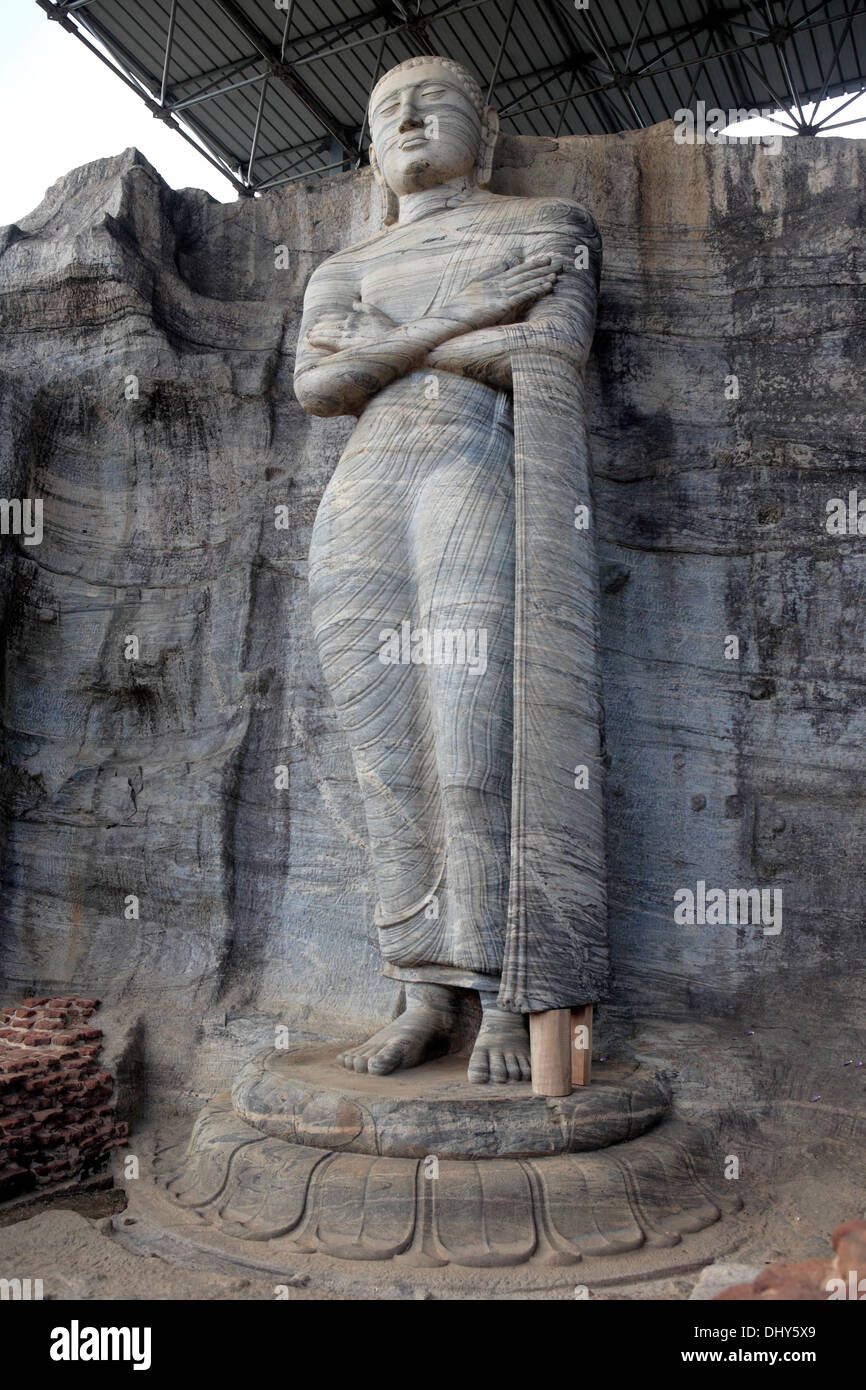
(556, 953)
(453, 511)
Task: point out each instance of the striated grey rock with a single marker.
(155, 777)
(74, 1259)
(717, 1277)
(488, 1212)
(302, 1098)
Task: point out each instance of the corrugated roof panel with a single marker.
(559, 69)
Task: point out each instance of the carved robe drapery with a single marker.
(453, 509)
(556, 952)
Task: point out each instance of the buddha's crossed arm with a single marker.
(560, 323)
(348, 352)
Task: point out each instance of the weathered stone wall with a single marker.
(155, 777)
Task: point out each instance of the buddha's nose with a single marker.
(409, 118)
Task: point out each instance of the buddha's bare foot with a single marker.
(501, 1051)
(423, 1032)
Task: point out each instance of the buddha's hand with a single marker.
(337, 332)
(503, 292)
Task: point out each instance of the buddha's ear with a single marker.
(374, 165)
(390, 203)
(489, 136)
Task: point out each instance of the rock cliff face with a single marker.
(147, 352)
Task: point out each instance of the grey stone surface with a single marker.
(488, 1213)
(458, 336)
(179, 1232)
(77, 1259)
(717, 1277)
(305, 1097)
(156, 777)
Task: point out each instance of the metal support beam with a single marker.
(601, 71)
(217, 159)
(836, 51)
(687, 63)
(258, 126)
(856, 120)
(697, 77)
(296, 178)
(376, 73)
(578, 62)
(634, 37)
(202, 81)
(831, 116)
(499, 56)
(789, 80)
(284, 72)
(329, 32)
(317, 146)
(397, 29)
(814, 10)
(565, 106)
(168, 43)
(286, 27)
(597, 42)
(216, 92)
(779, 100)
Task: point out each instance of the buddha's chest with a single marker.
(428, 263)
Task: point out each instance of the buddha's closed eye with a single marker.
(390, 108)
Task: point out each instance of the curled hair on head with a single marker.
(463, 75)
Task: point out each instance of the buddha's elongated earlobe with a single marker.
(390, 202)
(489, 136)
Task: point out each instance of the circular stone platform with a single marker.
(424, 1168)
(307, 1097)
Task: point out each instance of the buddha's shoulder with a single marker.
(549, 212)
(350, 258)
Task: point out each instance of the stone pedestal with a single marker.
(424, 1168)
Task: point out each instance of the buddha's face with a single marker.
(425, 129)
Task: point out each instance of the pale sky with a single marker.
(60, 107)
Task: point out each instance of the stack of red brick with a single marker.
(56, 1124)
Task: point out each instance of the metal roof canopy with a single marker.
(275, 90)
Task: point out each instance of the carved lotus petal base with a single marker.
(306, 1097)
(427, 1208)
